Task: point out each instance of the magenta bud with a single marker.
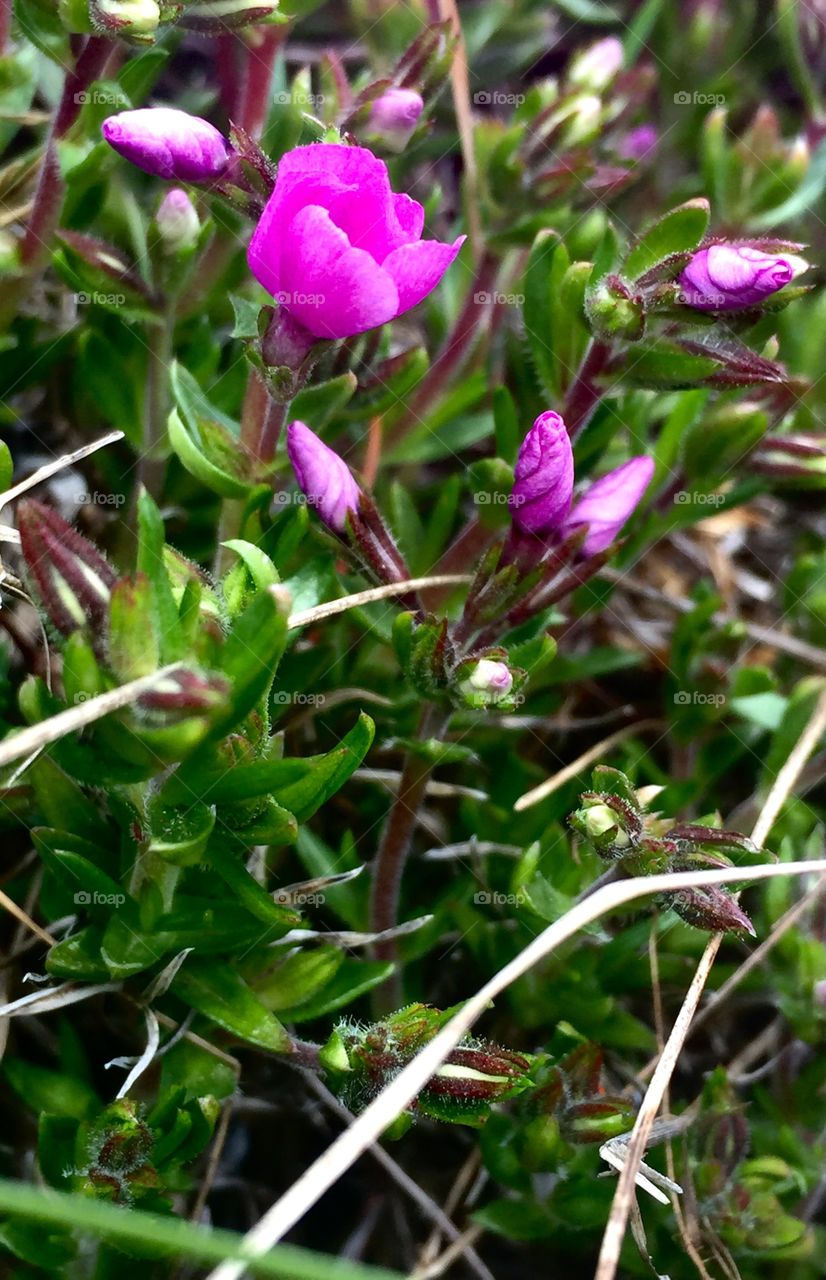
(394, 116)
(177, 221)
(72, 578)
(325, 479)
(726, 277)
(609, 502)
(638, 143)
(169, 143)
(543, 477)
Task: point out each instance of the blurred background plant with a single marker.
(190, 876)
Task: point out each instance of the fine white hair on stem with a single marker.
(401, 1091)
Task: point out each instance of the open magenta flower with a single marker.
(725, 277)
(323, 476)
(609, 502)
(169, 143)
(543, 477)
(337, 248)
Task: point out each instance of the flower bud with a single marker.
(323, 476)
(597, 1119)
(639, 143)
(613, 311)
(543, 478)
(177, 221)
(169, 143)
(185, 692)
(726, 277)
(712, 908)
(596, 67)
(485, 683)
(610, 824)
(394, 116)
(609, 502)
(72, 578)
(135, 18)
(212, 17)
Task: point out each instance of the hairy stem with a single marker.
(585, 393)
(393, 852)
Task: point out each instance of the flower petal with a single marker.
(333, 289)
(418, 267)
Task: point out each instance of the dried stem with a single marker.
(624, 1194)
(401, 1091)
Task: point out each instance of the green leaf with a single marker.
(538, 308)
(180, 835)
(246, 317)
(222, 995)
(261, 568)
(320, 777)
(173, 1236)
(193, 457)
(252, 652)
(318, 405)
(679, 231)
(51, 1091)
(150, 561)
(354, 978)
(6, 467)
(133, 642)
(227, 860)
(289, 981)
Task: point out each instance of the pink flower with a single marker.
(338, 249)
(323, 476)
(727, 276)
(169, 143)
(609, 502)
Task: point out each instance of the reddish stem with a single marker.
(584, 394)
(257, 78)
